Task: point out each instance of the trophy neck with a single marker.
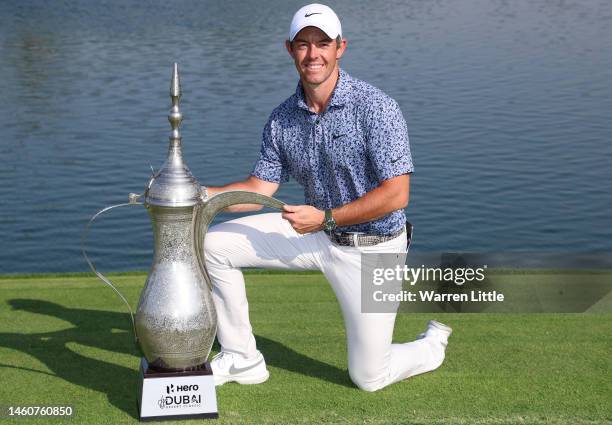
(172, 235)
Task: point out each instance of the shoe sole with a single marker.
(245, 380)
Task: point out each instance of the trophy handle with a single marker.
(205, 212)
(133, 201)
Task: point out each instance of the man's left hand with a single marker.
(304, 218)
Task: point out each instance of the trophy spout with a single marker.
(175, 321)
(176, 317)
(205, 213)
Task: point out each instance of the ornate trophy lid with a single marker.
(174, 185)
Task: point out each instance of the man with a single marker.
(346, 142)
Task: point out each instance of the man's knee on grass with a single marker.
(365, 382)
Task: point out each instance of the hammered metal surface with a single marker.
(176, 319)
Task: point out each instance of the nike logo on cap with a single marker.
(314, 13)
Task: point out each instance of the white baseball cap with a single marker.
(316, 15)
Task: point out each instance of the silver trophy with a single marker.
(175, 322)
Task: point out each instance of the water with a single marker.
(508, 106)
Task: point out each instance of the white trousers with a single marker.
(269, 241)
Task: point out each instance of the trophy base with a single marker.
(175, 395)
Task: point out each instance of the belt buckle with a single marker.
(355, 237)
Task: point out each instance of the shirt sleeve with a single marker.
(270, 165)
(387, 143)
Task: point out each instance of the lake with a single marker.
(508, 105)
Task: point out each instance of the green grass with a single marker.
(65, 339)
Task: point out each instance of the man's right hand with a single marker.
(304, 218)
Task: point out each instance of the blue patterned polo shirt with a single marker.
(360, 140)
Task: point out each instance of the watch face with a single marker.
(329, 223)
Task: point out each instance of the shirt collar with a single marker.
(340, 95)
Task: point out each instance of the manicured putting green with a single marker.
(65, 340)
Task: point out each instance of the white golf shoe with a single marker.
(436, 338)
(231, 367)
(438, 331)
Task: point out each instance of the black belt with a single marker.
(364, 239)
(360, 239)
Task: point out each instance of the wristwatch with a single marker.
(329, 224)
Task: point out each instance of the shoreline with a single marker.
(505, 270)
